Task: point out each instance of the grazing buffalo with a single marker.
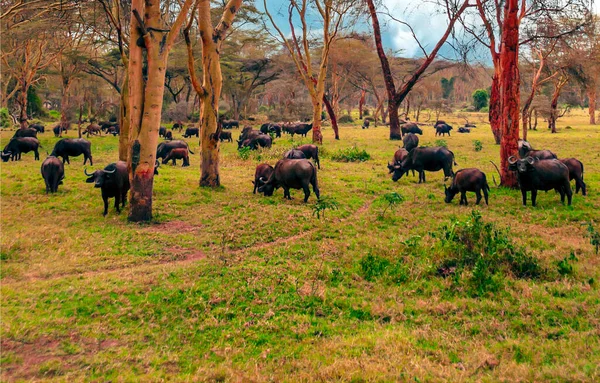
(73, 147)
(178, 154)
(525, 150)
(114, 130)
(442, 129)
(189, 132)
(411, 127)
(104, 125)
(262, 173)
(268, 127)
(420, 159)
(399, 156)
(225, 136)
(27, 132)
(467, 180)
(38, 127)
(228, 124)
(163, 149)
(410, 141)
(93, 129)
(302, 129)
(262, 140)
(113, 181)
(169, 135)
(311, 151)
(469, 125)
(248, 133)
(19, 145)
(162, 131)
(265, 128)
(575, 173)
(534, 174)
(291, 174)
(464, 129)
(294, 154)
(178, 126)
(58, 130)
(366, 124)
(53, 172)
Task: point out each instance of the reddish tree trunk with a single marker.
(361, 103)
(332, 117)
(22, 101)
(592, 107)
(553, 112)
(395, 132)
(496, 108)
(510, 80)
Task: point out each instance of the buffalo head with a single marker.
(398, 171)
(99, 177)
(522, 166)
(5, 156)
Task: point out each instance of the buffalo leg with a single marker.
(316, 189)
(478, 194)
(37, 155)
(255, 186)
(569, 192)
(123, 198)
(533, 196)
(306, 192)
(485, 195)
(117, 202)
(174, 162)
(463, 196)
(286, 193)
(524, 194)
(562, 195)
(105, 199)
(47, 186)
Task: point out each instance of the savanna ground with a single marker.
(227, 285)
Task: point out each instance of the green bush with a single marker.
(487, 253)
(346, 119)
(480, 99)
(244, 152)
(441, 143)
(352, 154)
(477, 145)
(54, 114)
(565, 266)
(5, 120)
(366, 112)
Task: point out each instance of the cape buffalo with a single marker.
(92, 129)
(467, 180)
(178, 126)
(575, 173)
(442, 129)
(27, 132)
(19, 145)
(178, 154)
(162, 131)
(58, 130)
(169, 135)
(365, 124)
(228, 124)
(53, 172)
(411, 127)
(189, 132)
(73, 147)
(399, 156)
(311, 151)
(534, 174)
(263, 172)
(225, 136)
(38, 127)
(113, 182)
(410, 141)
(165, 147)
(463, 129)
(525, 149)
(420, 159)
(292, 174)
(294, 154)
(262, 140)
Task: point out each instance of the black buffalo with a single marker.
(178, 154)
(93, 129)
(162, 131)
(463, 129)
(410, 141)
(575, 173)
(311, 151)
(73, 147)
(525, 150)
(467, 180)
(411, 127)
(423, 159)
(292, 174)
(442, 129)
(228, 124)
(262, 140)
(534, 174)
(189, 132)
(19, 145)
(114, 130)
(163, 149)
(38, 128)
(58, 131)
(178, 126)
(262, 173)
(294, 154)
(225, 136)
(113, 181)
(27, 132)
(53, 172)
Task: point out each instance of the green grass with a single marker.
(227, 285)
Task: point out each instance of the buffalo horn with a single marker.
(108, 171)
(530, 160)
(512, 159)
(86, 173)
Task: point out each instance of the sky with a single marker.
(422, 15)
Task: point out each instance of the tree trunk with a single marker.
(553, 113)
(317, 136)
(209, 114)
(592, 107)
(22, 101)
(64, 105)
(361, 103)
(124, 121)
(395, 132)
(496, 108)
(332, 117)
(510, 80)
(535, 114)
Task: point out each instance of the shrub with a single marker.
(366, 112)
(441, 143)
(352, 154)
(568, 127)
(373, 266)
(54, 114)
(325, 203)
(346, 119)
(480, 99)
(564, 266)
(5, 120)
(484, 250)
(391, 200)
(244, 152)
(477, 145)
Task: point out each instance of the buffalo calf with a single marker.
(575, 173)
(262, 174)
(467, 180)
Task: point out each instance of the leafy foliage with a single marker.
(352, 154)
(447, 87)
(324, 203)
(594, 236)
(441, 143)
(5, 121)
(480, 99)
(564, 265)
(477, 145)
(345, 119)
(391, 200)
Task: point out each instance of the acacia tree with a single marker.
(332, 13)
(151, 49)
(395, 95)
(209, 92)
